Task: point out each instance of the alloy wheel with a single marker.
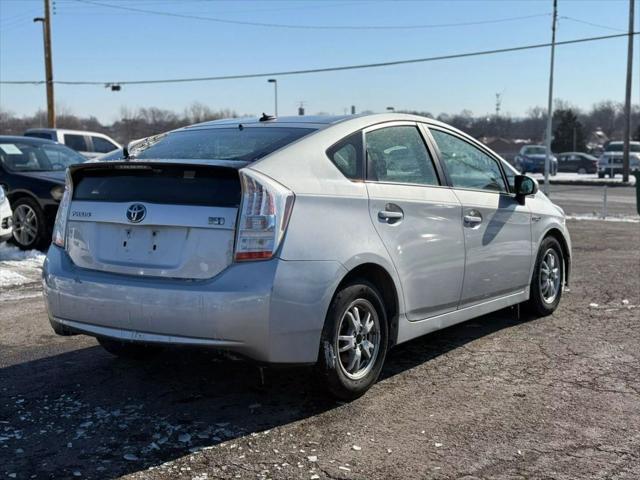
(25, 225)
(358, 341)
(550, 276)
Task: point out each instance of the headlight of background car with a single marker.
(57, 192)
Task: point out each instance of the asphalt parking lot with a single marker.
(495, 397)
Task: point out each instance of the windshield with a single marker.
(535, 151)
(617, 147)
(46, 157)
(243, 144)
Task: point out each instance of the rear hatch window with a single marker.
(164, 184)
(246, 144)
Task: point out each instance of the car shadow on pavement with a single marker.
(86, 414)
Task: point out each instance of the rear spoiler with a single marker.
(76, 171)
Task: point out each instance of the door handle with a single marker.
(391, 213)
(472, 218)
(386, 215)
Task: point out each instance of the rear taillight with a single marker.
(264, 215)
(60, 226)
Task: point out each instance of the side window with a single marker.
(77, 142)
(399, 155)
(468, 166)
(347, 156)
(101, 145)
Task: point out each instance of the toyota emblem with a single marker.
(136, 213)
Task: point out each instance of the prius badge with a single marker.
(136, 213)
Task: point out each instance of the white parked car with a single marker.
(6, 216)
(300, 240)
(610, 162)
(89, 144)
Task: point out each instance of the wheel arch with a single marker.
(15, 195)
(380, 277)
(556, 233)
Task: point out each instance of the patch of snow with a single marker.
(592, 217)
(19, 267)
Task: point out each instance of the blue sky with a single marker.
(98, 43)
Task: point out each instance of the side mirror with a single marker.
(524, 186)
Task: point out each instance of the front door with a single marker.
(416, 218)
(497, 229)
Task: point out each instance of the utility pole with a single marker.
(627, 98)
(547, 159)
(48, 63)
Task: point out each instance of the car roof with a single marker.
(31, 140)
(66, 130)
(319, 122)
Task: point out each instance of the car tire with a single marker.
(29, 224)
(548, 279)
(582, 171)
(131, 350)
(354, 340)
(600, 175)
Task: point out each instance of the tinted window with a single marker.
(468, 166)
(619, 147)
(534, 151)
(246, 144)
(347, 156)
(192, 185)
(77, 142)
(398, 154)
(48, 136)
(101, 145)
(23, 157)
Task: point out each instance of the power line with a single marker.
(564, 17)
(322, 70)
(308, 27)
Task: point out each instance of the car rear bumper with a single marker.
(270, 311)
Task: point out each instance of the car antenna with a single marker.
(266, 118)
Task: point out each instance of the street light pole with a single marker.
(275, 86)
(627, 98)
(547, 158)
(48, 63)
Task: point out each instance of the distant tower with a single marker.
(301, 109)
(498, 103)
(353, 109)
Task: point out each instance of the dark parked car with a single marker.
(577, 162)
(32, 173)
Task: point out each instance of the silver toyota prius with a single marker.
(300, 240)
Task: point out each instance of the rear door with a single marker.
(417, 219)
(497, 229)
(153, 220)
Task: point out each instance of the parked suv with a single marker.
(610, 162)
(89, 144)
(301, 240)
(531, 159)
